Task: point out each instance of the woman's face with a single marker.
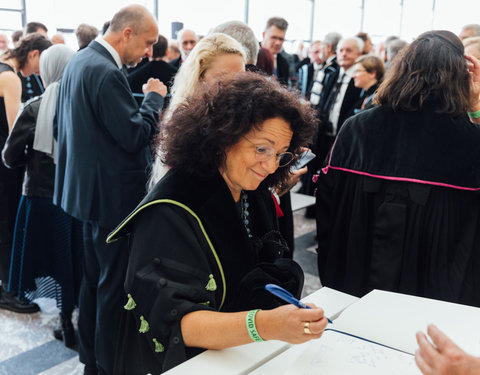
(223, 64)
(32, 65)
(242, 170)
(362, 78)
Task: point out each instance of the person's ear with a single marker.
(33, 54)
(128, 33)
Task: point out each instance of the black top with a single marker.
(3, 112)
(32, 86)
(18, 151)
(398, 207)
(173, 270)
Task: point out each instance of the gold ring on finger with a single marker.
(306, 328)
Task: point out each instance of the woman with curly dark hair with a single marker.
(204, 242)
(397, 204)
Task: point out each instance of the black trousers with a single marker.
(101, 297)
(10, 192)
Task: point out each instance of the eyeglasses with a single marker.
(264, 153)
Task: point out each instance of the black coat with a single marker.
(174, 260)
(153, 69)
(283, 69)
(18, 151)
(398, 206)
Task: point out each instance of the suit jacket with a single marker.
(176, 63)
(103, 139)
(153, 69)
(283, 69)
(352, 94)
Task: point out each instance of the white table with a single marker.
(300, 201)
(246, 358)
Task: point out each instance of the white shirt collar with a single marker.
(112, 51)
(348, 72)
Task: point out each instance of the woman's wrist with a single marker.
(262, 321)
(250, 322)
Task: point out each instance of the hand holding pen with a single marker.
(286, 296)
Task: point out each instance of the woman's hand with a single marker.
(445, 357)
(294, 178)
(291, 324)
(473, 66)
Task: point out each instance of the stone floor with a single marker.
(28, 347)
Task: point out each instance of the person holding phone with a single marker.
(205, 240)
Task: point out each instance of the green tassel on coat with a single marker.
(130, 304)
(211, 285)
(159, 348)
(144, 326)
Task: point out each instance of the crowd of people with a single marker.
(148, 181)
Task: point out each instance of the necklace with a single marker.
(245, 213)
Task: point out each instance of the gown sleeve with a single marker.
(170, 274)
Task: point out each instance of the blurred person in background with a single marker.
(367, 42)
(85, 34)
(187, 39)
(469, 31)
(368, 74)
(3, 42)
(23, 59)
(57, 38)
(48, 244)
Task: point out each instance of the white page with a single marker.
(338, 354)
(393, 319)
(331, 301)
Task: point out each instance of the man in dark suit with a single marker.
(102, 165)
(338, 95)
(273, 38)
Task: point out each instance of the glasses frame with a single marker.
(264, 157)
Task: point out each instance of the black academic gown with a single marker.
(173, 270)
(398, 206)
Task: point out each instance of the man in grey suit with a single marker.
(102, 165)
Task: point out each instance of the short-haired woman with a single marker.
(397, 204)
(368, 74)
(205, 241)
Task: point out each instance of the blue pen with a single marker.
(287, 296)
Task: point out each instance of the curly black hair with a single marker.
(201, 129)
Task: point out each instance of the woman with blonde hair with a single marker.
(214, 56)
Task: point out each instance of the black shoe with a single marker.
(9, 301)
(67, 330)
(64, 330)
(57, 331)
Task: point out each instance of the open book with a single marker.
(376, 335)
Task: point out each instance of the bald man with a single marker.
(101, 174)
(3, 42)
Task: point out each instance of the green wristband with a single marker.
(474, 114)
(251, 327)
